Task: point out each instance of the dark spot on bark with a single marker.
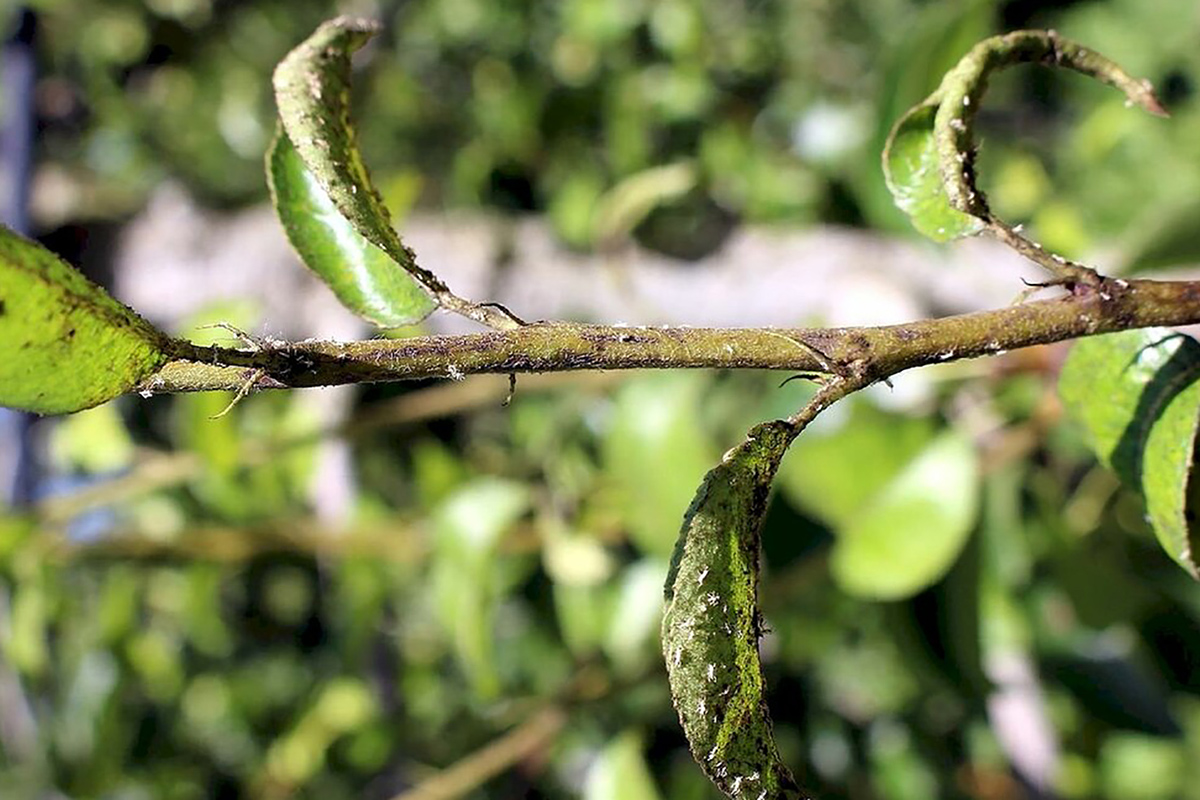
(634, 338)
(71, 333)
(602, 339)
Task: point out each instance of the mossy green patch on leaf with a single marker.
(711, 624)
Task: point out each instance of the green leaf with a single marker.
(582, 613)
(847, 456)
(1166, 472)
(910, 167)
(363, 277)
(1142, 767)
(312, 90)
(621, 772)
(468, 574)
(635, 616)
(655, 455)
(66, 344)
(909, 535)
(627, 204)
(1137, 396)
(711, 623)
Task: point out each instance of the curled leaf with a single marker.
(963, 87)
(929, 158)
(910, 167)
(312, 90)
(711, 624)
(363, 277)
(65, 343)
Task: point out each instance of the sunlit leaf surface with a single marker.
(366, 279)
(65, 344)
(1137, 396)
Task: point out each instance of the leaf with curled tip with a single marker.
(962, 89)
(65, 344)
(312, 90)
(711, 624)
(929, 158)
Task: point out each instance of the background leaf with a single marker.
(1136, 394)
(469, 576)
(847, 456)
(909, 535)
(628, 203)
(910, 166)
(67, 344)
(366, 279)
(621, 772)
(655, 455)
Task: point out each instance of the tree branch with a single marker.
(873, 353)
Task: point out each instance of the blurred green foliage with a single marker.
(777, 111)
(221, 640)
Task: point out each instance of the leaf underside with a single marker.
(364, 278)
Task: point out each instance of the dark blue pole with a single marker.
(18, 466)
